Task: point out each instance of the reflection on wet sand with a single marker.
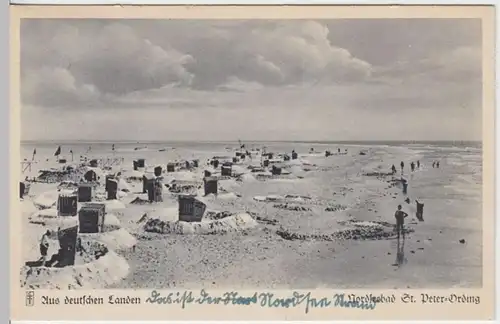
(400, 255)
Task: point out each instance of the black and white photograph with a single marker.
(251, 153)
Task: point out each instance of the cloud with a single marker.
(112, 62)
(117, 58)
(302, 51)
(331, 77)
(53, 86)
(119, 62)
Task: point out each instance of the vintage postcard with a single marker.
(252, 163)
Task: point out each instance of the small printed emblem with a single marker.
(30, 298)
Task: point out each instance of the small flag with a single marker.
(58, 151)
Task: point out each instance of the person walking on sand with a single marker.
(402, 166)
(412, 165)
(400, 221)
(393, 169)
(433, 164)
(44, 246)
(418, 164)
(437, 164)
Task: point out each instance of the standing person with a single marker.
(44, 246)
(405, 186)
(412, 165)
(418, 164)
(400, 221)
(420, 210)
(402, 166)
(433, 164)
(393, 169)
(437, 164)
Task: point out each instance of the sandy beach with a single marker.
(326, 221)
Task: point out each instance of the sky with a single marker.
(342, 79)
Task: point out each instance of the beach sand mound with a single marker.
(96, 267)
(113, 205)
(116, 240)
(228, 185)
(220, 196)
(181, 176)
(336, 208)
(246, 178)
(47, 199)
(139, 200)
(296, 199)
(111, 223)
(50, 219)
(233, 223)
(53, 221)
(132, 175)
(356, 231)
(186, 189)
(291, 207)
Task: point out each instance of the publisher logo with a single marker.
(30, 298)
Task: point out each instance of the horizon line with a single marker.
(74, 141)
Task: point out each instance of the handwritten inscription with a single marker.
(260, 299)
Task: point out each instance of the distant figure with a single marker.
(393, 169)
(433, 164)
(400, 221)
(437, 164)
(44, 247)
(420, 211)
(402, 166)
(405, 186)
(339, 150)
(418, 164)
(412, 165)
